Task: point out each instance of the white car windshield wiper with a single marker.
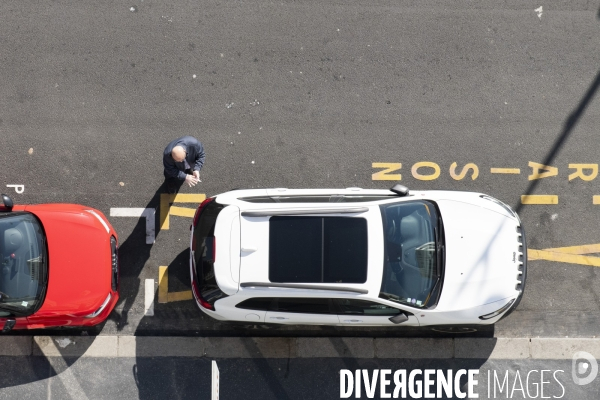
(389, 296)
(440, 247)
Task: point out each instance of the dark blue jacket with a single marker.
(194, 157)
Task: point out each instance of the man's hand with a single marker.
(191, 180)
(197, 175)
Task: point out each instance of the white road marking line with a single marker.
(214, 393)
(65, 374)
(149, 298)
(139, 212)
(49, 383)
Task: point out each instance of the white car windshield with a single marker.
(414, 250)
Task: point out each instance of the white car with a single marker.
(357, 257)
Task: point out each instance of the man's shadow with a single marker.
(133, 255)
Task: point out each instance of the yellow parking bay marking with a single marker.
(505, 171)
(583, 249)
(163, 284)
(163, 288)
(572, 254)
(563, 257)
(539, 199)
(166, 208)
(182, 212)
(180, 296)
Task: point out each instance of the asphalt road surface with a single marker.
(311, 94)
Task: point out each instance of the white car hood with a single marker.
(482, 256)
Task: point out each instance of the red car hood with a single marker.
(79, 259)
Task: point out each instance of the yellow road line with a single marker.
(188, 197)
(596, 199)
(166, 209)
(562, 257)
(165, 200)
(539, 199)
(163, 288)
(505, 170)
(182, 211)
(180, 296)
(163, 284)
(583, 249)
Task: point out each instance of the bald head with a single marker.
(178, 154)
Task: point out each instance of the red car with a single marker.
(59, 266)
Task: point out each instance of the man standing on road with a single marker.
(183, 159)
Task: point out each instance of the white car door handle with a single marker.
(352, 320)
(279, 318)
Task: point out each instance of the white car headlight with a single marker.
(100, 309)
(497, 312)
(506, 207)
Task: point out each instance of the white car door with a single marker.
(367, 312)
(302, 311)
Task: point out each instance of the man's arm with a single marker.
(199, 156)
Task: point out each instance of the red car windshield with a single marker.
(23, 264)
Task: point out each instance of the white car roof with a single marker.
(254, 266)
